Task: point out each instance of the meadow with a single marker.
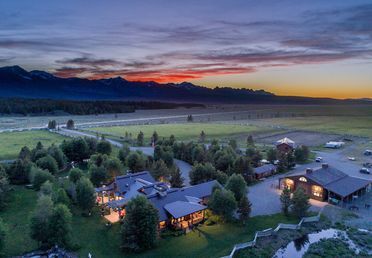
(92, 236)
(183, 132)
(12, 142)
(345, 125)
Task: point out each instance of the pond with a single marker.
(298, 247)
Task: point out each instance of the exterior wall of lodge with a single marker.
(312, 189)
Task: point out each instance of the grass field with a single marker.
(347, 125)
(183, 132)
(12, 142)
(94, 237)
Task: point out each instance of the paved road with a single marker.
(184, 167)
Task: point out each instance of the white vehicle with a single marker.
(319, 159)
(264, 161)
(351, 158)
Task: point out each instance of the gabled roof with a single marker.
(188, 194)
(264, 169)
(123, 183)
(286, 141)
(324, 176)
(347, 185)
(200, 190)
(179, 209)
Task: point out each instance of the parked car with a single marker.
(351, 158)
(367, 165)
(319, 159)
(264, 161)
(368, 152)
(364, 171)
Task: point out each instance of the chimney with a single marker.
(325, 165)
(309, 170)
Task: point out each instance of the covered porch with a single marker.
(189, 220)
(185, 214)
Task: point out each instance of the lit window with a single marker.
(317, 191)
(303, 179)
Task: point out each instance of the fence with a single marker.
(270, 231)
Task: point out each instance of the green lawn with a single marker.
(183, 132)
(16, 217)
(348, 125)
(12, 142)
(94, 237)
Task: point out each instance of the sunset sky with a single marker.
(304, 48)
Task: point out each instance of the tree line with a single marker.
(50, 106)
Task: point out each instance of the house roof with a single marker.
(176, 201)
(123, 183)
(324, 176)
(200, 190)
(264, 169)
(347, 185)
(181, 195)
(286, 141)
(179, 209)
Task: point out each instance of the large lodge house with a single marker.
(327, 184)
(177, 207)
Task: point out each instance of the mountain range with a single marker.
(19, 83)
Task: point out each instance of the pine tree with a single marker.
(250, 141)
(85, 194)
(154, 138)
(25, 153)
(202, 137)
(52, 124)
(70, 124)
(244, 208)
(139, 229)
(285, 199)
(140, 139)
(300, 203)
(190, 118)
(176, 179)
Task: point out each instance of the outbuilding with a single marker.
(264, 171)
(285, 145)
(334, 145)
(327, 184)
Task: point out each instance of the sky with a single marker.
(288, 47)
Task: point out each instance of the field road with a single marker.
(184, 167)
(123, 121)
(138, 117)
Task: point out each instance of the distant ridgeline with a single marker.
(16, 82)
(56, 107)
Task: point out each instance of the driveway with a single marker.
(184, 167)
(264, 195)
